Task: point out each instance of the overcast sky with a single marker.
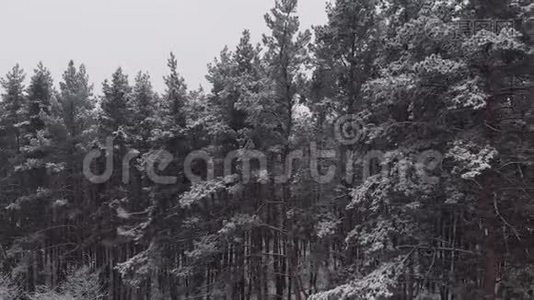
(134, 34)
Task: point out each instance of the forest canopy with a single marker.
(388, 154)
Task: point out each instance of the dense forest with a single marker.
(388, 154)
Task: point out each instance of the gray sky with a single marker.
(134, 34)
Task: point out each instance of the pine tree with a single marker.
(233, 76)
(346, 49)
(37, 170)
(12, 114)
(39, 97)
(12, 108)
(285, 57)
(143, 106)
(76, 100)
(175, 97)
(115, 104)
